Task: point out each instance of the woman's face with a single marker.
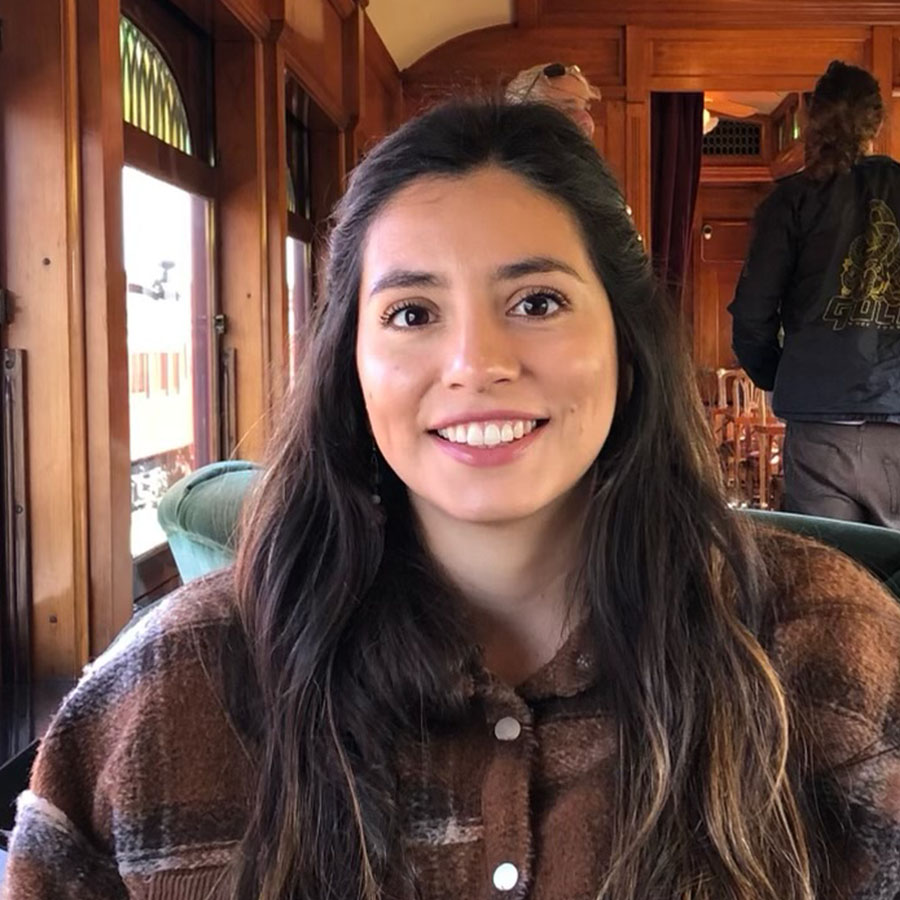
(486, 348)
(570, 95)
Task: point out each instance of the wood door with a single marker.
(723, 227)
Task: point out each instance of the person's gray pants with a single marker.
(847, 472)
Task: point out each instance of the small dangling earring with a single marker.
(376, 477)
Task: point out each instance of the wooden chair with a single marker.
(768, 434)
(757, 460)
(721, 420)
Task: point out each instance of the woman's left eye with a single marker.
(539, 305)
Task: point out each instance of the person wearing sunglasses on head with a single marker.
(562, 86)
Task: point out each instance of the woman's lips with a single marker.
(495, 454)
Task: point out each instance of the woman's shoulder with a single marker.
(835, 642)
(146, 734)
(157, 644)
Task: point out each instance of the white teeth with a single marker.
(491, 435)
(488, 434)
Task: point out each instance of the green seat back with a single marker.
(877, 549)
(199, 515)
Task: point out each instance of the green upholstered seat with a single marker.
(877, 549)
(199, 514)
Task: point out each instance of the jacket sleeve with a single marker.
(838, 653)
(55, 850)
(764, 281)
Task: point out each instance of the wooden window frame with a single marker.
(155, 572)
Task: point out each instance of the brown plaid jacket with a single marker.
(141, 785)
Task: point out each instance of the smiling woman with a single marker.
(493, 631)
(495, 326)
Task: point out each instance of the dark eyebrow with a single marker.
(406, 278)
(534, 265)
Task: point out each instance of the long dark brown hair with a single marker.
(354, 641)
(845, 113)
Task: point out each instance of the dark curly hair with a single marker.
(845, 114)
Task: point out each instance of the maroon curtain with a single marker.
(676, 134)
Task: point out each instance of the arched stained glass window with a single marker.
(151, 99)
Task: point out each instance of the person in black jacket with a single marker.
(823, 273)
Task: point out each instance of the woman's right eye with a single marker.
(410, 316)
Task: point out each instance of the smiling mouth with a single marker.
(489, 434)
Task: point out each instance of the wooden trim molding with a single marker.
(716, 13)
(80, 464)
(730, 174)
(297, 63)
(527, 13)
(378, 55)
(300, 228)
(344, 8)
(106, 368)
(143, 151)
(251, 14)
(489, 56)
(882, 67)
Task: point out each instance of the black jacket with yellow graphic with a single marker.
(824, 266)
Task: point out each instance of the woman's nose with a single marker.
(584, 121)
(481, 354)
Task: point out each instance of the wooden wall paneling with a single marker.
(637, 130)
(894, 125)
(354, 75)
(229, 20)
(108, 448)
(382, 110)
(231, 17)
(895, 53)
(273, 99)
(699, 59)
(313, 45)
(727, 211)
(613, 137)
(38, 185)
(488, 58)
(344, 8)
(637, 166)
(717, 13)
(240, 127)
(882, 67)
(527, 13)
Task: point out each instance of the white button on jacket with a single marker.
(505, 876)
(507, 729)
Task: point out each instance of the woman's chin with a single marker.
(484, 509)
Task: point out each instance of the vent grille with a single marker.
(733, 137)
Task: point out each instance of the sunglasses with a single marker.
(552, 70)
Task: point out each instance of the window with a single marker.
(151, 99)
(166, 263)
(170, 301)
